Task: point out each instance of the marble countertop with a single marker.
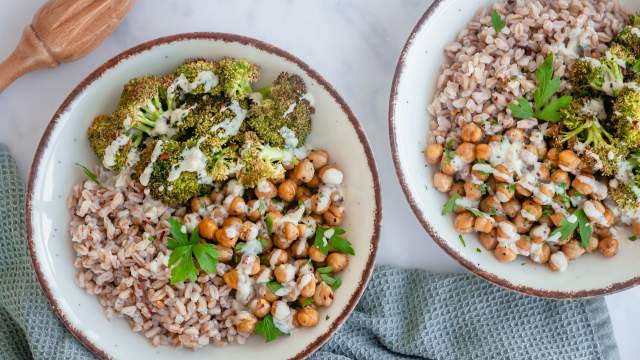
(354, 44)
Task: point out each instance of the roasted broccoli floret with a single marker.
(624, 196)
(284, 109)
(259, 161)
(629, 37)
(229, 77)
(143, 101)
(236, 77)
(626, 117)
(110, 142)
(199, 75)
(223, 163)
(618, 51)
(588, 76)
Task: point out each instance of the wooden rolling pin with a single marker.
(62, 31)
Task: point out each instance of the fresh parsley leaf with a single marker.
(336, 242)
(497, 21)
(267, 329)
(320, 241)
(327, 317)
(89, 174)
(274, 286)
(567, 228)
(341, 244)
(521, 110)
(478, 250)
(548, 85)
(450, 206)
(633, 238)
(584, 228)
(306, 301)
(331, 281)
(476, 212)
(182, 266)
(551, 111)
(462, 240)
(207, 256)
(449, 153)
(325, 270)
(184, 249)
(269, 222)
(180, 237)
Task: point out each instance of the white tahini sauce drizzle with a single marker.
(110, 153)
(194, 160)
(206, 78)
(230, 127)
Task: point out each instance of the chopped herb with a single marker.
(89, 174)
(522, 110)
(327, 317)
(262, 207)
(449, 154)
(152, 238)
(511, 187)
(325, 270)
(450, 205)
(546, 210)
(492, 211)
(476, 212)
(484, 188)
(274, 286)
(497, 21)
(462, 240)
(306, 301)
(335, 242)
(584, 228)
(633, 238)
(267, 329)
(240, 246)
(264, 242)
(184, 249)
(478, 250)
(331, 281)
(269, 222)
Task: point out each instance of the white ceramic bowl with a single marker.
(65, 143)
(413, 89)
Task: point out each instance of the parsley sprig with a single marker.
(267, 329)
(334, 243)
(183, 249)
(546, 106)
(581, 223)
(451, 205)
(497, 22)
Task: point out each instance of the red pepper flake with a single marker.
(164, 156)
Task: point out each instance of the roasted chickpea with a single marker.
(224, 253)
(483, 152)
(446, 167)
(568, 161)
(304, 171)
(481, 176)
(502, 174)
(319, 203)
(593, 244)
(463, 222)
(323, 295)
(543, 172)
(337, 261)
(303, 193)
(560, 177)
(237, 207)
(504, 254)
(466, 151)
(199, 203)
(267, 244)
(545, 194)
(523, 245)
(457, 189)
(553, 154)
(307, 316)
(542, 150)
(318, 158)
(227, 236)
(284, 273)
(281, 242)
(635, 227)
(556, 261)
(504, 192)
(608, 246)
(231, 278)
(472, 191)
(333, 215)
(290, 231)
(522, 225)
(232, 221)
(253, 210)
(442, 182)
(260, 307)
(556, 218)
(531, 210)
(433, 153)
(512, 207)
(299, 248)
(270, 296)
(315, 254)
(521, 190)
(207, 228)
(483, 224)
(309, 288)
(540, 253)
(277, 257)
(247, 324)
(488, 240)
(572, 249)
(490, 204)
(471, 133)
(314, 182)
(287, 190)
(514, 135)
(582, 184)
(265, 190)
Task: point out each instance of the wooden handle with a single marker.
(29, 55)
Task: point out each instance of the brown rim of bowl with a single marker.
(260, 45)
(616, 287)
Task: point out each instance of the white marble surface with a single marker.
(353, 43)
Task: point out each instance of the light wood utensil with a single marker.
(62, 31)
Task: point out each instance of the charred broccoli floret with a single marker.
(283, 107)
(588, 76)
(618, 51)
(109, 140)
(629, 37)
(259, 161)
(626, 117)
(236, 77)
(223, 163)
(229, 77)
(199, 75)
(624, 196)
(143, 101)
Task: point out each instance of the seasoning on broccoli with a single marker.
(109, 140)
(589, 76)
(259, 162)
(625, 117)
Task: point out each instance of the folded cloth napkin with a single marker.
(404, 314)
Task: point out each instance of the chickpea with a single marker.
(284, 273)
(545, 193)
(593, 244)
(553, 154)
(299, 248)
(543, 172)
(505, 192)
(483, 224)
(523, 245)
(541, 256)
(307, 316)
(304, 171)
(556, 218)
(290, 231)
(247, 325)
(488, 240)
(207, 228)
(314, 182)
(323, 295)
(260, 307)
(267, 244)
(522, 224)
(337, 261)
(303, 193)
(581, 184)
(232, 221)
(255, 265)
(333, 216)
(542, 150)
(224, 253)
(318, 158)
(231, 278)
(471, 133)
(442, 182)
(315, 254)
(545, 219)
(466, 151)
(635, 227)
(265, 272)
(560, 177)
(572, 249)
(270, 296)
(227, 236)
(502, 174)
(568, 161)
(472, 191)
(433, 153)
(512, 207)
(531, 210)
(326, 168)
(253, 215)
(482, 176)
(319, 204)
(521, 190)
(608, 217)
(278, 256)
(199, 203)
(504, 254)
(446, 167)
(490, 204)
(553, 261)
(458, 189)
(237, 207)
(463, 222)
(281, 242)
(216, 196)
(309, 289)
(514, 135)
(608, 246)
(265, 190)
(483, 152)
(287, 190)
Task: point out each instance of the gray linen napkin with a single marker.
(404, 314)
